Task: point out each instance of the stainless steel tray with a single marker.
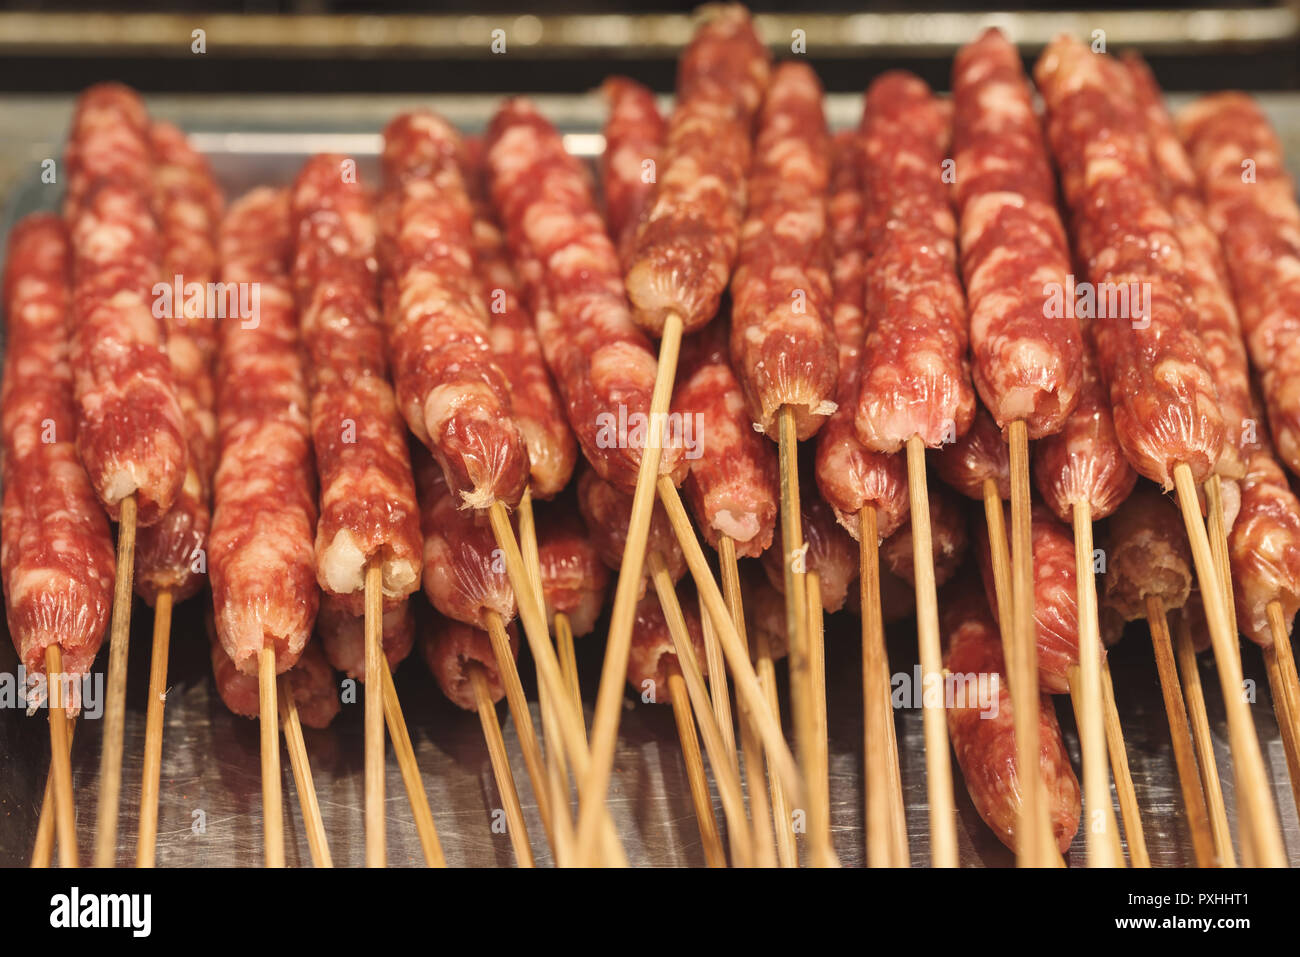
(210, 812)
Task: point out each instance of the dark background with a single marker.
(65, 66)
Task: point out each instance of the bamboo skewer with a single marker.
(716, 664)
(803, 683)
(147, 833)
(787, 851)
(726, 772)
(272, 812)
(1109, 833)
(609, 695)
(317, 843)
(938, 762)
(560, 827)
(1204, 744)
(1124, 790)
(568, 658)
(65, 815)
(710, 840)
(779, 758)
(1284, 701)
(1260, 815)
(518, 705)
(760, 811)
(496, 745)
(817, 672)
(1103, 848)
(43, 849)
(376, 851)
(568, 713)
(405, 754)
(110, 761)
(876, 707)
(1198, 820)
(1023, 667)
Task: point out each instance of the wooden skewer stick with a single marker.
(1284, 703)
(568, 658)
(725, 769)
(523, 719)
(1285, 661)
(716, 663)
(1103, 833)
(876, 707)
(376, 850)
(1220, 830)
(272, 812)
(1130, 814)
(557, 774)
(65, 815)
(1198, 819)
(317, 843)
(938, 761)
(787, 851)
(609, 696)
(43, 850)
(755, 768)
(710, 840)
(779, 758)
(568, 713)
(817, 671)
(405, 753)
(147, 834)
(110, 760)
(1023, 668)
(1248, 761)
(496, 745)
(803, 682)
(1105, 815)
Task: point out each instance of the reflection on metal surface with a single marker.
(651, 34)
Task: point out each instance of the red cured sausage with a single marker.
(686, 245)
(915, 373)
(979, 455)
(849, 475)
(733, 484)
(1083, 462)
(188, 206)
(368, 510)
(1251, 205)
(464, 574)
(1146, 555)
(653, 649)
(311, 682)
(1056, 608)
(453, 394)
(343, 635)
(574, 578)
(602, 362)
(1162, 394)
(830, 553)
(607, 511)
(450, 647)
(264, 515)
(130, 431)
(634, 139)
(1264, 544)
(947, 537)
(984, 740)
(1207, 281)
(1013, 245)
(56, 553)
(537, 408)
(782, 339)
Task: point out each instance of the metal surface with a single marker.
(211, 798)
(1193, 27)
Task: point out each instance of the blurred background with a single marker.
(566, 46)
